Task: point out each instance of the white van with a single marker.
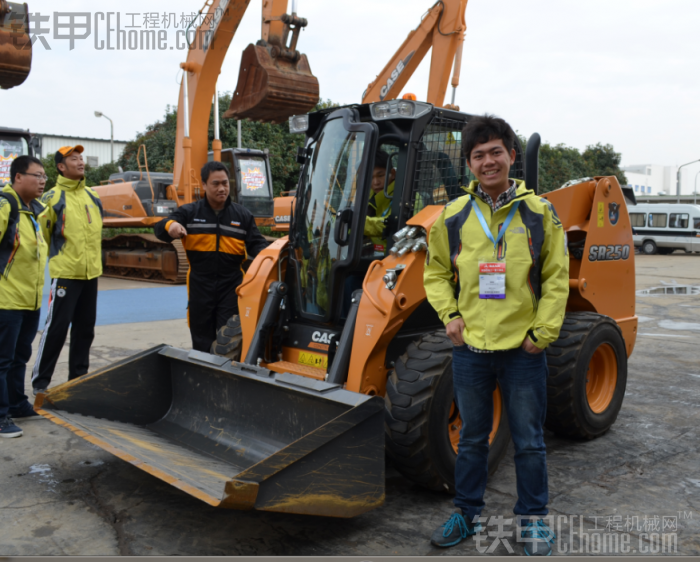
(665, 227)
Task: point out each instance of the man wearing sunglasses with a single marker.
(217, 234)
(72, 225)
(22, 261)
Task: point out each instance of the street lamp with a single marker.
(678, 178)
(111, 125)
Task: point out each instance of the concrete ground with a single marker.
(637, 487)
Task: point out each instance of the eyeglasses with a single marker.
(38, 176)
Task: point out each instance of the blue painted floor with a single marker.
(128, 306)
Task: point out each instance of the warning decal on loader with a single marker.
(313, 360)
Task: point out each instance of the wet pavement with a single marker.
(635, 490)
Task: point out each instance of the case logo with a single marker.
(614, 213)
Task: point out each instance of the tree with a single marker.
(560, 164)
(159, 139)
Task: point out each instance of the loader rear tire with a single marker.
(229, 339)
(421, 419)
(587, 376)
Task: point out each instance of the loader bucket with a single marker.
(272, 88)
(231, 434)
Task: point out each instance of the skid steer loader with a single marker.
(337, 354)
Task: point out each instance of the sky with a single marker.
(578, 72)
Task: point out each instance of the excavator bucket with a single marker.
(231, 434)
(272, 88)
(15, 44)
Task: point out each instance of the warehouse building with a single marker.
(97, 151)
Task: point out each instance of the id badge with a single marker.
(492, 279)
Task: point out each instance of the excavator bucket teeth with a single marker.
(231, 434)
(15, 45)
(272, 89)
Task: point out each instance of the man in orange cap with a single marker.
(72, 225)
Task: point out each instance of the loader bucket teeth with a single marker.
(231, 434)
(272, 89)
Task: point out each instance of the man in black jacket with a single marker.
(218, 234)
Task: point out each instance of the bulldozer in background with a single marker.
(299, 421)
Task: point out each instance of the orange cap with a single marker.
(64, 151)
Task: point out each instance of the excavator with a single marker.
(320, 386)
(275, 82)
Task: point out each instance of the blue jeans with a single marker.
(17, 331)
(522, 378)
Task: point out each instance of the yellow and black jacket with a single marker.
(537, 271)
(72, 225)
(22, 253)
(216, 245)
(378, 210)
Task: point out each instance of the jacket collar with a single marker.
(70, 185)
(35, 206)
(226, 205)
(520, 192)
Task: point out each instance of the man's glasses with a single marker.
(38, 176)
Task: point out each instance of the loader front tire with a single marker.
(421, 419)
(587, 376)
(229, 339)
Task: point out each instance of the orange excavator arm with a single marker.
(201, 72)
(442, 28)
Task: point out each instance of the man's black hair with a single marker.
(21, 164)
(210, 167)
(381, 159)
(485, 128)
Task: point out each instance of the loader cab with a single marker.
(330, 255)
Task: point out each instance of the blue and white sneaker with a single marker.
(538, 537)
(8, 429)
(454, 531)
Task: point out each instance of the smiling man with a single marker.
(22, 262)
(498, 277)
(217, 234)
(72, 226)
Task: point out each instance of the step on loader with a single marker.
(336, 353)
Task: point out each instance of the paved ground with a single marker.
(63, 496)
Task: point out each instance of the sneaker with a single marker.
(538, 537)
(26, 414)
(8, 428)
(39, 390)
(454, 531)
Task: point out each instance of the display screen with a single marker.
(10, 148)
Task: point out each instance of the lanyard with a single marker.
(486, 228)
(38, 235)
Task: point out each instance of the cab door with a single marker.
(326, 232)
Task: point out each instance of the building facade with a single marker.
(652, 179)
(97, 151)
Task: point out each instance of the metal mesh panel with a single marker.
(441, 169)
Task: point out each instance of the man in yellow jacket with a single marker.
(72, 225)
(22, 262)
(498, 276)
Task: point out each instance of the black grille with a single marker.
(441, 169)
